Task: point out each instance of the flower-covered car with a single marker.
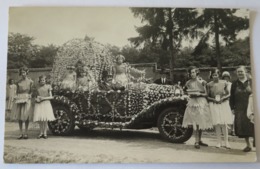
(139, 106)
(136, 108)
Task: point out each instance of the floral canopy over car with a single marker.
(94, 55)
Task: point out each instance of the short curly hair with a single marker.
(192, 68)
(120, 56)
(42, 77)
(23, 69)
(212, 71)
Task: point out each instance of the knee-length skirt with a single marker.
(197, 113)
(43, 111)
(221, 113)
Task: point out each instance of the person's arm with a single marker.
(232, 96)
(227, 93)
(49, 97)
(114, 73)
(204, 94)
(136, 71)
(208, 93)
(250, 109)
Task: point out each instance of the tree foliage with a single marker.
(221, 23)
(20, 50)
(23, 52)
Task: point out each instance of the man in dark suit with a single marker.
(106, 83)
(164, 79)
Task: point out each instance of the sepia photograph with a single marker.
(129, 85)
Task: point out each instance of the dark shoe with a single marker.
(203, 144)
(247, 149)
(40, 136)
(45, 136)
(20, 137)
(25, 136)
(197, 146)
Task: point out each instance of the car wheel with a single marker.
(64, 123)
(170, 126)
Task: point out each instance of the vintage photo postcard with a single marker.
(128, 85)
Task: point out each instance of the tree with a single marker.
(237, 53)
(165, 27)
(20, 50)
(45, 57)
(221, 23)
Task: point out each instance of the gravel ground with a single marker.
(115, 146)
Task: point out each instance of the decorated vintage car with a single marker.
(139, 106)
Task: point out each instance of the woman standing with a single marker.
(11, 93)
(218, 95)
(197, 112)
(240, 92)
(23, 107)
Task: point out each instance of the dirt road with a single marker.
(115, 146)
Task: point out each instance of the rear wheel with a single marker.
(64, 123)
(170, 126)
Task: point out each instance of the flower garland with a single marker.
(115, 108)
(92, 53)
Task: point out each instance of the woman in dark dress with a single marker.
(240, 91)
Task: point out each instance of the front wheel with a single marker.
(170, 126)
(64, 123)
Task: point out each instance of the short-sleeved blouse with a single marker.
(44, 91)
(196, 85)
(24, 86)
(217, 88)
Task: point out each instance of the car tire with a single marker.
(64, 123)
(170, 126)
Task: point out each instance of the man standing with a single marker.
(163, 80)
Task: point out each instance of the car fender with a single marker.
(154, 110)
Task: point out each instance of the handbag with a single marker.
(22, 98)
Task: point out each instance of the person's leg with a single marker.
(200, 142)
(197, 138)
(45, 129)
(218, 134)
(248, 145)
(225, 132)
(26, 129)
(20, 122)
(41, 128)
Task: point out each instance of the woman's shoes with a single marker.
(20, 137)
(218, 145)
(203, 144)
(197, 145)
(247, 149)
(40, 136)
(25, 136)
(227, 146)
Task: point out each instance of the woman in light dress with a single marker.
(86, 81)
(197, 112)
(218, 97)
(121, 72)
(43, 111)
(69, 82)
(11, 89)
(23, 110)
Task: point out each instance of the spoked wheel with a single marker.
(170, 126)
(64, 123)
